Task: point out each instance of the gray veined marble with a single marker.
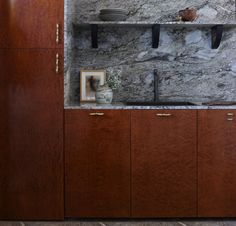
(214, 11)
(189, 69)
(124, 223)
(116, 106)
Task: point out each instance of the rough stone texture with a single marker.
(118, 105)
(123, 223)
(210, 11)
(189, 69)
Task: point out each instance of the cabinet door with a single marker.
(32, 23)
(31, 154)
(163, 163)
(97, 155)
(217, 163)
(4, 20)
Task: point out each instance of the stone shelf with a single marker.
(216, 29)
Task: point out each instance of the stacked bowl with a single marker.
(113, 14)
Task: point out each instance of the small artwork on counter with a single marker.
(90, 80)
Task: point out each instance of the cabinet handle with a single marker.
(230, 114)
(97, 114)
(164, 115)
(230, 119)
(57, 33)
(57, 63)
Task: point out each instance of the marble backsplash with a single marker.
(209, 11)
(125, 223)
(188, 68)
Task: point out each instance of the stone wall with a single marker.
(188, 68)
(124, 223)
(210, 11)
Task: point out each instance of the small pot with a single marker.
(188, 14)
(104, 95)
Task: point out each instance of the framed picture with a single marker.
(89, 82)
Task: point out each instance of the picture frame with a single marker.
(89, 82)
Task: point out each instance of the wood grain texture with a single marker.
(217, 164)
(97, 156)
(31, 23)
(4, 22)
(31, 154)
(164, 163)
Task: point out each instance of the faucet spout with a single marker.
(156, 83)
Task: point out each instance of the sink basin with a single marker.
(220, 103)
(165, 103)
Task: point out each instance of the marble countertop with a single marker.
(150, 23)
(118, 106)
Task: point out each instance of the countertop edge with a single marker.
(123, 107)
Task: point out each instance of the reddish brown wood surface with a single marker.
(217, 164)
(31, 154)
(4, 22)
(97, 151)
(164, 163)
(31, 23)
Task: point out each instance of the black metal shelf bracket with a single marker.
(216, 36)
(94, 35)
(155, 35)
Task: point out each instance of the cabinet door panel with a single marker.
(163, 163)
(97, 151)
(4, 20)
(31, 155)
(32, 23)
(217, 163)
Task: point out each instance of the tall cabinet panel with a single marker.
(31, 116)
(3, 113)
(4, 23)
(217, 163)
(31, 163)
(31, 24)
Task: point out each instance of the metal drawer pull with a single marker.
(164, 115)
(57, 63)
(57, 33)
(230, 119)
(230, 114)
(96, 114)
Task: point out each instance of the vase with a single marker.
(104, 95)
(188, 14)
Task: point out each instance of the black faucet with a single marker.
(156, 83)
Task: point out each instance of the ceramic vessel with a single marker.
(188, 14)
(104, 95)
(113, 17)
(119, 11)
(113, 14)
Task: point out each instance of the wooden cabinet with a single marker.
(31, 154)
(31, 112)
(164, 163)
(31, 23)
(4, 22)
(97, 163)
(217, 163)
(3, 115)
